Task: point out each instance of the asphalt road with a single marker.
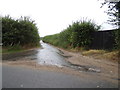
(20, 77)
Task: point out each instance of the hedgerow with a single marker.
(76, 35)
(22, 31)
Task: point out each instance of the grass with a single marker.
(0, 49)
(11, 51)
(17, 48)
(111, 55)
(102, 54)
(91, 52)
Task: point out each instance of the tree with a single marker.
(22, 32)
(114, 13)
(77, 35)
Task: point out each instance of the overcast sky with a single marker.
(52, 16)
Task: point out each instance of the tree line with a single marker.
(22, 31)
(76, 35)
(79, 33)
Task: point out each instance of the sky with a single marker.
(53, 16)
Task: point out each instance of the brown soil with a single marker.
(107, 67)
(109, 70)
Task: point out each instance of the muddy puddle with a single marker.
(49, 55)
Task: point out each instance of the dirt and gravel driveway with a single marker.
(108, 74)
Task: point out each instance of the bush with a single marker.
(22, 32)
(76, 35)
(81, 33)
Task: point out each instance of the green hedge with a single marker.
(76, 35)
(22, 31)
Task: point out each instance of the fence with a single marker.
(103, 40)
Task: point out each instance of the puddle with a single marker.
(48, 55)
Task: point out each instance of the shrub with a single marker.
(82, 31)
(76, 35)
(22, 31)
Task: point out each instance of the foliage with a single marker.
(117, 39)
(81, 33)
(21, 31)
(52, 39)
(76, 35)
(114, 12)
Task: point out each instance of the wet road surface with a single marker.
(49, 55)
(19, 77)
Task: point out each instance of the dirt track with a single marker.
(108, 69)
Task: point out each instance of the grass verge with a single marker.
(102, 54)
(17, 48)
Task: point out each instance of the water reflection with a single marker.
(50, 56)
